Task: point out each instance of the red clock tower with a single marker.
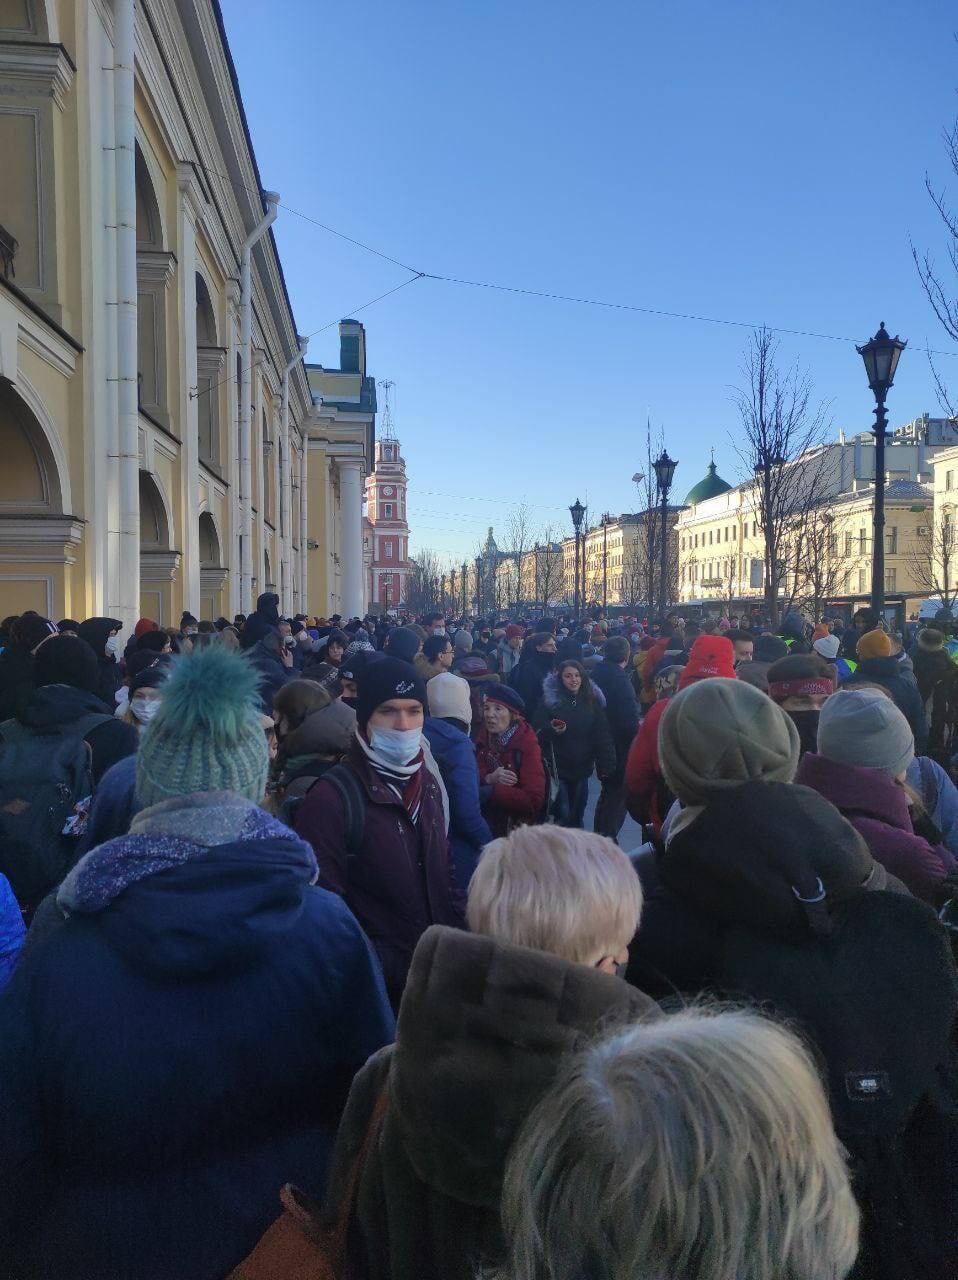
(388, 530)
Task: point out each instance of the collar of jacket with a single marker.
(483, 1027)
(872, 793)
(373, 784)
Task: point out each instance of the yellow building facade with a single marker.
(827, 554)
(157, 453)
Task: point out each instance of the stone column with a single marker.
(189, 212)
(351, 555)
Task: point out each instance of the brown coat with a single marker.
(483, 1028)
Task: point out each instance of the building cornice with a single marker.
(36, 70)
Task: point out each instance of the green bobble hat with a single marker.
(208, 733)
(719, 733)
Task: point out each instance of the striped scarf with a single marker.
(405, 781)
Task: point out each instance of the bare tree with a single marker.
(518, 538)
(933, 560)
(813, 566)
(422, 581)
(940, 294)
(781, 445)
(635, 572)
(548, 575)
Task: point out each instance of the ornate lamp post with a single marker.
(664, 471)
(478, 584)
(465, 590)
(881, 356)
(577, 511)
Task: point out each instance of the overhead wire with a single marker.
(555, 296)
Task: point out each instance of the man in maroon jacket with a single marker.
(377, 826)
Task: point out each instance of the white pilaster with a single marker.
(190, 209)
(351, 496)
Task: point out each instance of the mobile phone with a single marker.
(557, 724)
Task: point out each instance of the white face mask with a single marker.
(396, 746)
(113, 646)
(145, 709)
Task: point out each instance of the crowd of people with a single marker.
(310, 967)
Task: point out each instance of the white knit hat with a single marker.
(448, 697)
(827, 646)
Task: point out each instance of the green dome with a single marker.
(710, 487)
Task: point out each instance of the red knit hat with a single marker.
(512, 630)
(143, 626)
(821, 631)
(709, 656)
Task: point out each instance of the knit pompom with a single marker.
(212, 692)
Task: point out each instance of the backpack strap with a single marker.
(350, 791)
(86, 724)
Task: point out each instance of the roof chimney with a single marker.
(352, 347)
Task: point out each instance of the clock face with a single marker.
(387, 491)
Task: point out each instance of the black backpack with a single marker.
(876, 992)
(42, 777)
(350, 791)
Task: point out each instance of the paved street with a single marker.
(630, 837)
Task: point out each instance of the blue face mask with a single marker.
(396, 746)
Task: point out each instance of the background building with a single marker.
(341, 432)
(133, 481)
(387, 526)
(826, 556)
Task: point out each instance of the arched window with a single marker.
(209, 543)
(154, 270)
(154, 529)
(28, 476)
(210, 359)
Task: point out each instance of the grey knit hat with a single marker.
(864, 727)
(717, 734)
(208, 734)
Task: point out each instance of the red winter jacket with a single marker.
(508, 807)
(645, 790)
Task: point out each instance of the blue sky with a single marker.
(747, 161)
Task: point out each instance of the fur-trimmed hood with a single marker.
(553, 694)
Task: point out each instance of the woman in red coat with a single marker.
(512, 780)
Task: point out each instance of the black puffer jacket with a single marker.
(586, 743)
(56, 706)
(621, 708)
(96, 632)
(527, 678)
(735, 865)
(263, 619)
(16, 679)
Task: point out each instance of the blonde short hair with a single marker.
(556, 889)
(698, 1146)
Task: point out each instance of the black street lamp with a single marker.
(605, 564)
(664, 471)
(577, 511)
(535, 577)
(442, 597)
(880, 356)
(478, 584)
(464, 582)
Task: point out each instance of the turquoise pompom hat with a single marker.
(208, 733)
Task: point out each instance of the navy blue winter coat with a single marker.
(12, 932)
(468, 830)
(169, 1061)
(621, 708)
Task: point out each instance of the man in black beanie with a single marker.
(65, 678)
(377, 825)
